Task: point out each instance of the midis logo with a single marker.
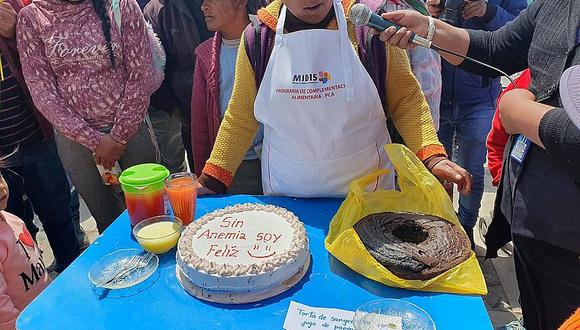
(312, 78)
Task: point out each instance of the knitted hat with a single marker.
(570, 93)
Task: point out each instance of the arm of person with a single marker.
(411, 115)
(521, 114)
(200, 142)
(237, 129)
(546, 126)
(496, 16)
(497, 138)
(7, 22)
(561, 138)
(506, 48)
(8, 312)
(42, 84)
(138, 64)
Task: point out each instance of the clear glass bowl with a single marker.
(392, 314)
(158, 234)
(103, 271)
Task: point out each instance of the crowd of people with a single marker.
(287, 97)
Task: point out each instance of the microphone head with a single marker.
(360, 14)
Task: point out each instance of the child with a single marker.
(425, 63)
(22, 272)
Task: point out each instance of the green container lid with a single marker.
(143, 178)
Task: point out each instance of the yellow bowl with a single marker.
(158, 234)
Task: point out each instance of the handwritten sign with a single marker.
(301, 317)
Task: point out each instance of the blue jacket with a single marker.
(461, 87)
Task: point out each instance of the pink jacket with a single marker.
(69, 74)
(205, 112)
(22, 272)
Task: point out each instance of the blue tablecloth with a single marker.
(70, 303)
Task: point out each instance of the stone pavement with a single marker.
(501, 301)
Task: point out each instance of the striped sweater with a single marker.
(18, 126)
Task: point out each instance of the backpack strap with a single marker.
(258, 42)
(253, 45)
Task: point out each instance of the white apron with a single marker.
(324, 124)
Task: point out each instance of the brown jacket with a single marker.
(179, 33)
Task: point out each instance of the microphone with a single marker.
(361, 15)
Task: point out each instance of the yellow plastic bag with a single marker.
(420, 193)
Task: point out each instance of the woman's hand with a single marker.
(109, 151)
(474, 8)
(434, 7)
(410, 20)
(201, 190)
(446, 170)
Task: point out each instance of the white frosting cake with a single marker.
(242, 251)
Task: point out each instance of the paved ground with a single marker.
(501, 302)
(502, 299)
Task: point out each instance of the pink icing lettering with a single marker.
(231, 222)
(229, 251)
(268, 237)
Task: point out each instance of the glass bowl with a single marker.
(158, 234)
(122, 269)
(392, 314)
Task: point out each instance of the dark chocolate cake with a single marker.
(413, 246)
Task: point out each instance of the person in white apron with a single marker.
(324, 124)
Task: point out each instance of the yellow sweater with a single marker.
(405, 102)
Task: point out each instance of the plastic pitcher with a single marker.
(144, 186)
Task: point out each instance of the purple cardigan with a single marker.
(205, 112)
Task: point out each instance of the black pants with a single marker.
(549, 282)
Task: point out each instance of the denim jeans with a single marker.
(469, 126)
(36, 171)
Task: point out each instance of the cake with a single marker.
(242, 253)
(413, 246)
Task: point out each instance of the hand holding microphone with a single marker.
(415, 25)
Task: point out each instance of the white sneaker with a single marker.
(570, 93)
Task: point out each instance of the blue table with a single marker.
(70, 303)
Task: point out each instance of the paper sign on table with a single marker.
(301, 316)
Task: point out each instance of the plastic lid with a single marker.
(143, 178)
